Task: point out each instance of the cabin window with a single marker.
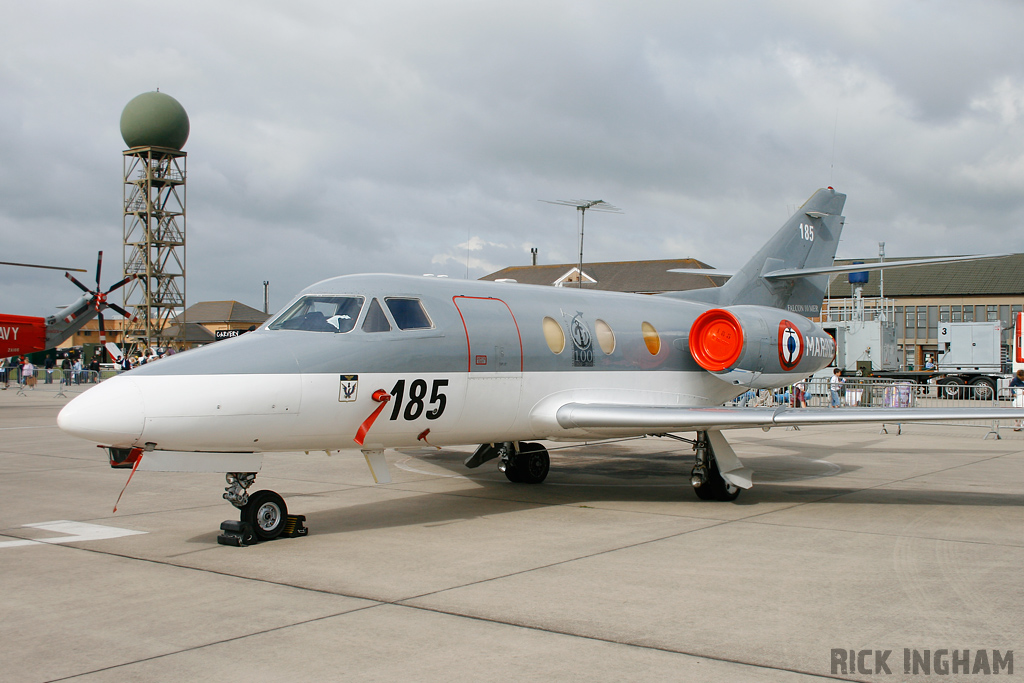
(408, 313)
(605, 336)
(651, 338)
(320, 314)
(554, 335)
(375, 320)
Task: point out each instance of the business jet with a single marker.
(389, 361)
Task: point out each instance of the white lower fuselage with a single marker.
(279, 412)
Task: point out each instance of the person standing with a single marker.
(28, 374)
(49, 364)
(835, 384)
(800, 394)
(1017, 386)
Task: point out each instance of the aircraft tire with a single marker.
(728, 492)
(512, 472)
(716, 487)
(530, 465)
(706, 491)
(266, 514)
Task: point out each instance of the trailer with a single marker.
(973, 361)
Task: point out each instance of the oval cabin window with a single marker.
(605, 336)
(554, 335)
(651, 339)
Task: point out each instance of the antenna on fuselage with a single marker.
(584, 205)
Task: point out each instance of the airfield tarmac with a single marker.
(612, 570)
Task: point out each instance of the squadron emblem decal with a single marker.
(791, 345)
(349, 387)
(582, 346)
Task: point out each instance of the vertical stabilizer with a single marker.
(807, 240)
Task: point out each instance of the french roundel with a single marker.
(791, 345)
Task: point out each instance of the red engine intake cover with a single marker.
(716, 340)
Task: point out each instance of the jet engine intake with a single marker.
(758, 346)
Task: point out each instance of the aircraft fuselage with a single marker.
(494, 364)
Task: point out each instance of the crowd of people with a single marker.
(66, 368)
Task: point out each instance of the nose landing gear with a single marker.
(263, 515)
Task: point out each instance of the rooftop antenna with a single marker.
(881, 273)
(584, 205)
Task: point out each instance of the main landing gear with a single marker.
(708, 482)
(528, 463)
(522, 462)
(263, 517)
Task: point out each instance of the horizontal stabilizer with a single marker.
(711, 272)
(795, 273)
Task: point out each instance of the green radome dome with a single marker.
(154, 119)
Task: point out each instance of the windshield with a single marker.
(321, 314)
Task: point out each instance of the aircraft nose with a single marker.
(111, 413)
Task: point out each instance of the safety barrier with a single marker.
(10, 377)
(883, 393)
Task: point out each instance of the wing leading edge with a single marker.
(596, 416)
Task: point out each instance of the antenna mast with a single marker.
(583, 205)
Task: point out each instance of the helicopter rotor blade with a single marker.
(120, 310)
(122, 283)
(33, 265)
(77, 283)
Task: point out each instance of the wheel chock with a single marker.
(236, 533)
(294, 527)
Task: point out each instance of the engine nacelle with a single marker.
(758, 346)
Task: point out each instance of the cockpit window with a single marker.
(408, 313)
(375, 320)
(321, 314)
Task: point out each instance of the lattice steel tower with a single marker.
(155, 127)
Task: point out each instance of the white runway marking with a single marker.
(75, 531)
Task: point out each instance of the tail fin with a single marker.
(807, 240)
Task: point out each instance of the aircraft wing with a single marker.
(682, 418)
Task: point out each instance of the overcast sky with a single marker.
(417, 137)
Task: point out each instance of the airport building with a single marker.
(206, 322)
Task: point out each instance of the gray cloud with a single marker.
(330, 138)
